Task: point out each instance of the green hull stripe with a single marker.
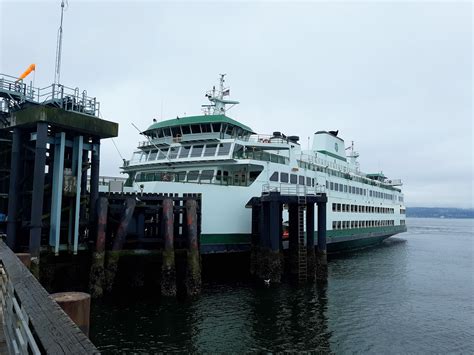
(243, 238)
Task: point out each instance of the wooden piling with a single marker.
(322, 261)
(168, 269)
(310, 247)
(193, 269)
(77, 306)
(97, 275)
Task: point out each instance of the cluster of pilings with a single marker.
(164, 225)
(307, 259)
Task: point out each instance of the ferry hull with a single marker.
(337, 241)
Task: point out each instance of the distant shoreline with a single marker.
(439, 212)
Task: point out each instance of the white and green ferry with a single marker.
(227, 163)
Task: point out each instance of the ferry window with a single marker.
(159, 133)
(184, 153)
(333, 224)
(334, 207)
(274, 176)
(181, 176)
(153, 154)
(293, 179)
(207, 175)
(166, 132)
(240, 132)
(136, 156)
(210, 150)
(173, 153)
(336, 187)
(224, 148)
(253, 175)
(301, 180)
(308, 181)
(143, 156)
(312, 182)
(338, 207)
(162, 154)
(332, 185)
(338, 224)
(197, 150)
(327, 184)
(345, 188)
(206, 127)
(284, 177)
(186, 129)
(193, 175)
(176, 131)
(229, 129)
(195, 128)
(216, 127)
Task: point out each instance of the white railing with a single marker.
(18, 335)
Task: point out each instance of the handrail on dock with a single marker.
(33, 322)
(56, 95)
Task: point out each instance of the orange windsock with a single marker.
(27, 71)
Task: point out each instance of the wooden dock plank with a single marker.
(54, 330)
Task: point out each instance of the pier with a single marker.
(307, 259)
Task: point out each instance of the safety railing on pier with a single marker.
(33, 322)
(54, 95)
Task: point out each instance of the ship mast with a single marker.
(218, 105)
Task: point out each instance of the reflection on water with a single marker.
(414, 293)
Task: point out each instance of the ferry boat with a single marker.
(227, 163)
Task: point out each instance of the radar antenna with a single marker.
(218, 103)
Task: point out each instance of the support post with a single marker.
(94, 183)
(38, 194)
(193, 271)
(14, 189)
(168, 268)
(254, 246)
(97, 275)
(57, 193)
(270, 265)
(311, 255)
(322, 261)
(78, 192)
(121, 234)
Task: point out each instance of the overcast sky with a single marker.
(394, 77)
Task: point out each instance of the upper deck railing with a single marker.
(56, 95)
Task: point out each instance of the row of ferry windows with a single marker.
(199, 176)
(343, 207)
(361, 224)
(292, 179)
(185, 151)
(337, 173)
(358, 190)
(178, 131)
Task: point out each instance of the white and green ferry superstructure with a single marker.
(227, 163)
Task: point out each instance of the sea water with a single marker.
(414, 293)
